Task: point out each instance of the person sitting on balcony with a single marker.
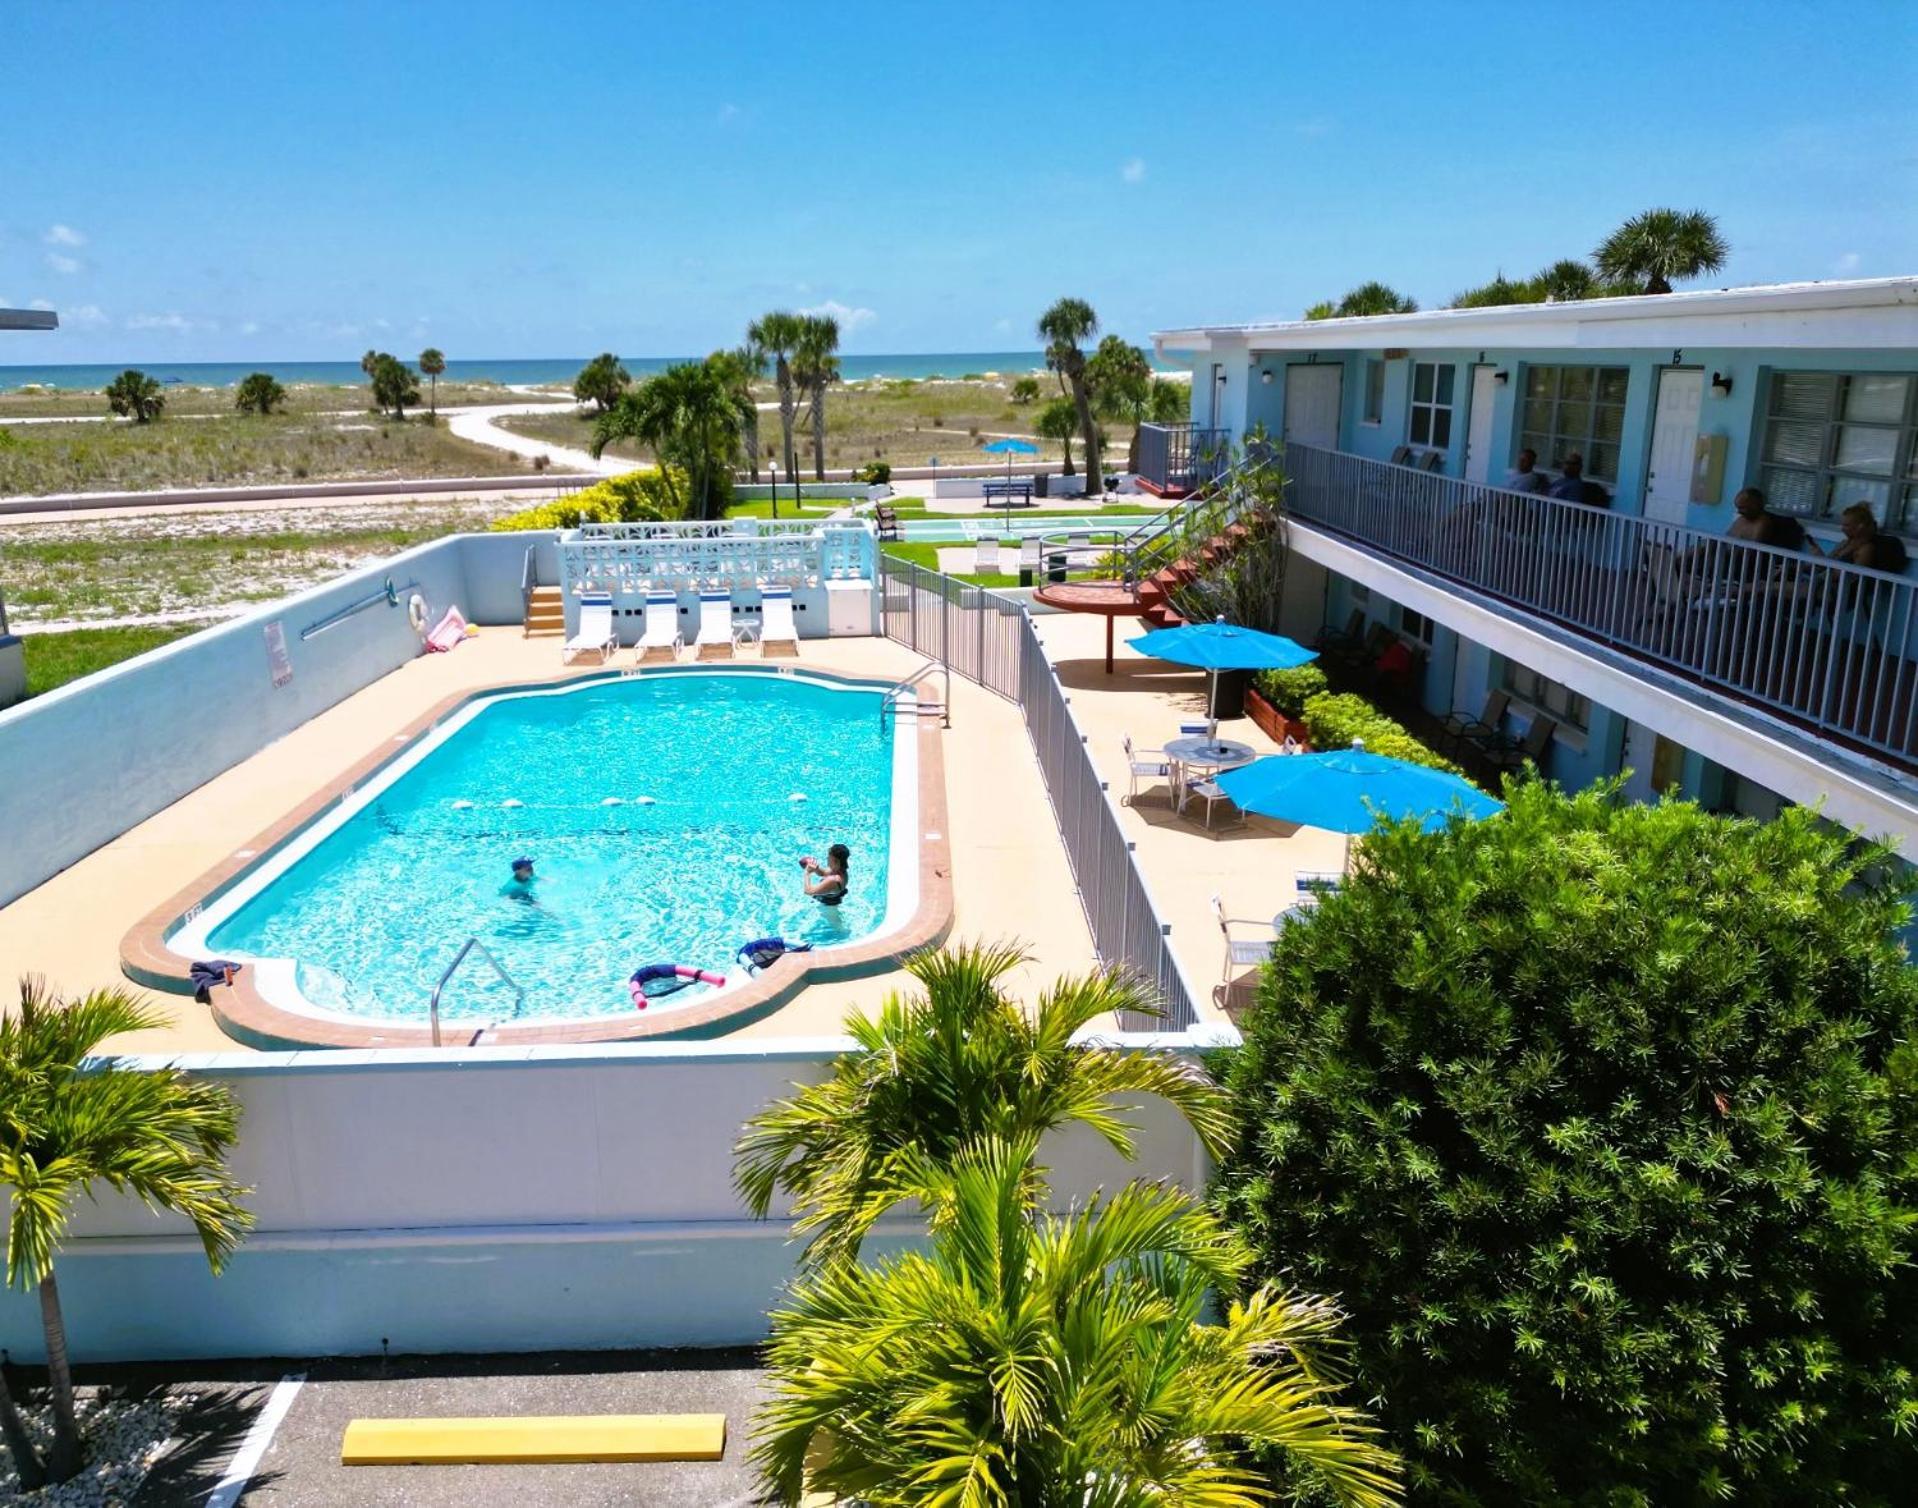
(1864, 544)
(1573, 488)
(1760, 526)
(1528, 478)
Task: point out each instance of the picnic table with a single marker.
(1010, 493)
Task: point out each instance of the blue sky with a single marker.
(224, 181)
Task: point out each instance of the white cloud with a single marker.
(86, 317)
(1134, 171)
(63, 264)
(1002, 325)
(849, 319)
(250, 327)
(1848, 263)
(1317, 125)
(64, 235)
(39, 303)
(179, 324)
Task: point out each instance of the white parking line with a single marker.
(246, 1460)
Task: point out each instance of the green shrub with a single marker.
(631, 498)
(1334, 718)
(1602, 1120)
(1288, 689)
(874, 473)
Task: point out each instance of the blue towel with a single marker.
(204, 975)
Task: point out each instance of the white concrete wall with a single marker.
(483, 1199)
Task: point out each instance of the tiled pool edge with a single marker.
(249, 1018)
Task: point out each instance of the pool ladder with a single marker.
(470, 945)
(889, 705)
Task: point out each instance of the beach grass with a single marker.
(115, 569)
(301, 398)
(54, 659)
(235, 450)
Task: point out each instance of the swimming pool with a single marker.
(947, 531)
(665, 813)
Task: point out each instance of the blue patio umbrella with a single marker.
(1219, 645)
(1009, 448)
(1347, 790)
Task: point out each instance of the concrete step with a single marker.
(527, 1441)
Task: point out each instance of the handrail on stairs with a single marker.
(472, 944)
(895, 695)
(1157, 542)
(528, 580)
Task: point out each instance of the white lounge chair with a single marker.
(595, 634)
(776, 632)
(662, 639)
(1029, 555)
(1146, 769)
(717, 638)
(985, 556)
(1240, 952)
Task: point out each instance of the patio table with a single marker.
(1202, 752)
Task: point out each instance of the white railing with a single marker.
(1825, 644)
(632, 559)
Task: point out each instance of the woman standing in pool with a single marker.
(826, 883)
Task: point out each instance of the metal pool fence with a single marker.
(990, 639)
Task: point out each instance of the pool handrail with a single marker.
(433, 1005)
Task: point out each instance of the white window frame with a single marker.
(1544, 696)
(1553, 444)
(1899, 514)
(1432, 407)
(1372, 393)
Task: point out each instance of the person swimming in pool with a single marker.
(827, 882)
(520, 886)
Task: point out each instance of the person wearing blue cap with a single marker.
(520, 886)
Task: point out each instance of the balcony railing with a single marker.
(632, 559)
(1182, 457)
(1825, 645)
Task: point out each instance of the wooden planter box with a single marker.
(1273, 723)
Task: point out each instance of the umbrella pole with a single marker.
(1212, 709)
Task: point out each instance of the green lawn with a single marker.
(763, 508)
(927, 555)
(55, 659)
(301, 398)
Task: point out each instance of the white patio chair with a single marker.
(1146, 769)
(1211, 793)
(985, 556)
(595, 634)
(1029, 554)
(662, 639)
(717, 639)
(776, 632)
(1240, 952)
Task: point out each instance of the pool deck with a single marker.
(1009, 879)
(1009, 874)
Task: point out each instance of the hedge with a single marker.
(634, 497)
(1335, 718)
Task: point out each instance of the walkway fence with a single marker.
(990, 639)
(1828, 645)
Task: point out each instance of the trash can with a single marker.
(1055, 565)
(1039, 481)
(1228, 694)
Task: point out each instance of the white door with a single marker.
(1655, 762)
(1312, 405)
(1668, 477)
(1478, 438)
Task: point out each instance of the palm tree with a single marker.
(1652, 250)
(1121, 380)
(778, 334)
(1056, 1360)
(1375, 298)
(1062, 328)
(433, 362)
(69, 1125)
(1323, 309)
(816, 368)
(943, 1069)
(137, 395)
(740, 368)
(1501, 290)
(369, 361)
(689, 416)
(1058, 420)
(394, 384)
(1566, 281)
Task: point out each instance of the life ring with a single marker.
(416, 612)
(665, 978)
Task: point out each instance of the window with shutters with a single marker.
(1837, 438)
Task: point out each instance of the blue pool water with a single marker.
(376, 910)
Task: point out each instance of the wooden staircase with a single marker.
(545, 613)
(1155, 591)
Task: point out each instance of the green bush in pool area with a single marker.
(1288, 690)
(635, 497)
(1335, 718)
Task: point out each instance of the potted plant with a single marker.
(1276, 701)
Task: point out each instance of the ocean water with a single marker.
(699, 856)
(557, 369)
